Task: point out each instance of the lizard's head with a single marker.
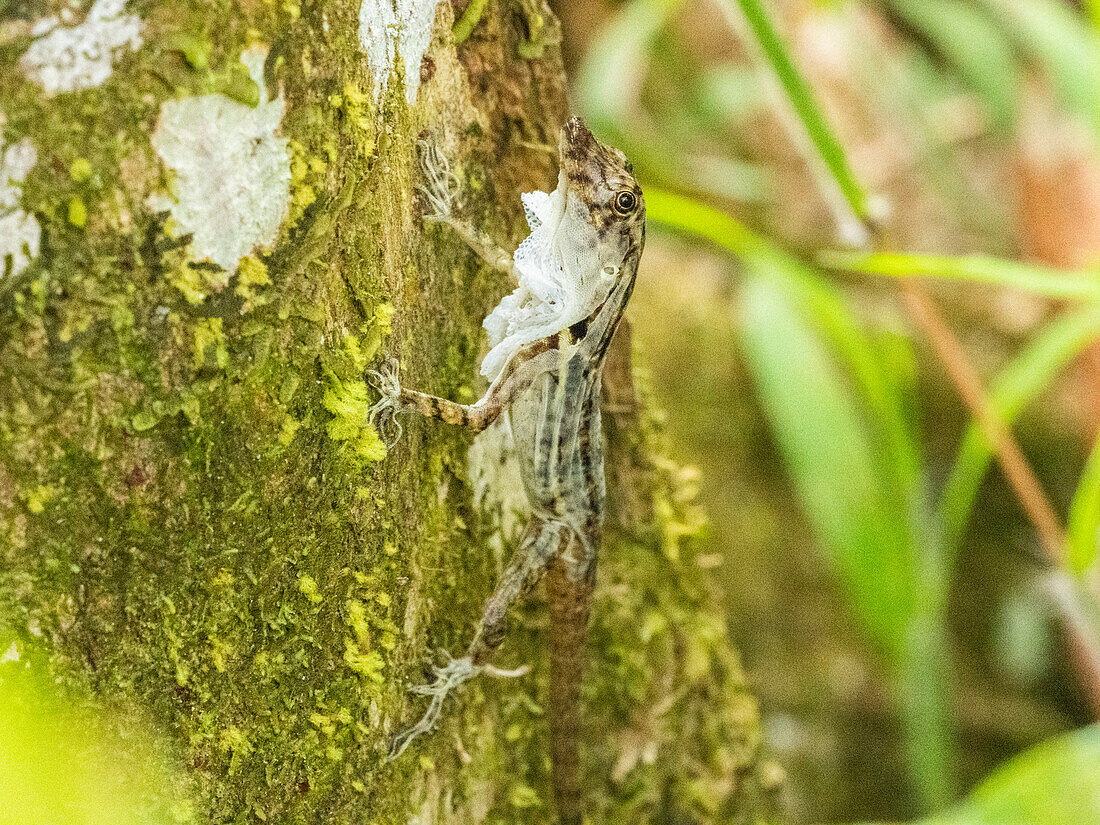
(603, 201)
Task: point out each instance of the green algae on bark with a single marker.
(196, 516)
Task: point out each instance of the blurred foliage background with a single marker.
(69, 759)
(869, 306)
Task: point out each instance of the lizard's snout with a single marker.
(576, 140)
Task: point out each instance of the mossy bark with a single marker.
(196, 517)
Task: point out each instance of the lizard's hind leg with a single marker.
(541, 542)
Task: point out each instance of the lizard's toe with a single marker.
(441, 185)
(383, 413)
(447, 678)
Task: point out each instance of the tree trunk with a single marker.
(198, 520)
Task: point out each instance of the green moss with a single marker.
(307, 175)
(80, 170)
(366, 664)
(144, 420)
(77, 212)
(210, 343)
(350, 402)
(376, 331)
(307, 585)
(251, 274)
(37, 498)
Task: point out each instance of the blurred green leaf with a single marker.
(1093, 8)
(836, 462)
(730, 94)
(975, 47)
(905, 86)
(616, 61)
(827, 307)
(838, 407)
(1053, 283)
(1055, 783)
(1083, 527)
(802, 101)
(65, 760)
(1061, 41)
(728, 178)
(661, 137)
(878, 384)
(1024, 379)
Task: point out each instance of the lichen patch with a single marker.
(20, 233)
(68, 58)
(232, 170)
(392, 28)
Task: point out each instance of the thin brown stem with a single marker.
(968, 384)
(1032, 498)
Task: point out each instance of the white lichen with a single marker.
(389, 29)
(67, 58)
(232, 170)
(20, 233)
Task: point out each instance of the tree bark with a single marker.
(197, 518)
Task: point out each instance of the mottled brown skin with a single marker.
(551, 388)
(513, 379)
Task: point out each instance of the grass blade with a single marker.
(801, 99)
(1053, 283)
(703, 221)
(1083, 529)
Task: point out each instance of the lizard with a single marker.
(573, 277)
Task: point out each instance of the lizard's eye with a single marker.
(625, 202)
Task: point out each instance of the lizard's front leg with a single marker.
(440, 188)
(541, 542)
(518, 374)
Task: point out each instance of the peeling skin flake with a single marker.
(388, 28)
(232, 171)
(19, 232)
(69, 58)
(561, 278)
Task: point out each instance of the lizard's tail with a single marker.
(569, 600)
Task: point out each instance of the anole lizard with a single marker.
(574, 274)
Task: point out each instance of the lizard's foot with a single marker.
(383, 413)
(442, 184)
(447, 678)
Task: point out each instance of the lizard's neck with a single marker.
(603, 322)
